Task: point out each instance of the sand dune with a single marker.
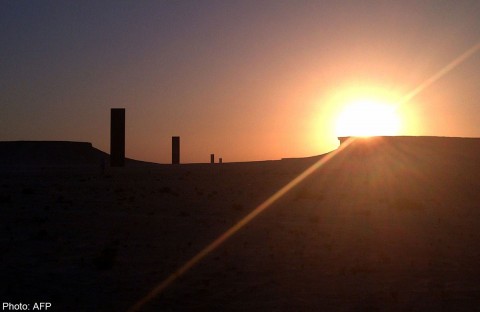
(49, 153)
(390, 223)
(34, 155)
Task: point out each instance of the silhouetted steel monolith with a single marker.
(175, 150)
(212, 158)
(220, 160)
(117, 137)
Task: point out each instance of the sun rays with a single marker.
(375, 119)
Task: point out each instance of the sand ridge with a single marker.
(390, 224)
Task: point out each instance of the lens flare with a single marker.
(272, 199)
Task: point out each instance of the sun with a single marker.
(368, 117)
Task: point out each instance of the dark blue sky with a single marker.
(243, 79)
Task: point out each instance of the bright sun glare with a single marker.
(367, 117)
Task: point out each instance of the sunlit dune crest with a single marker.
(368, 117)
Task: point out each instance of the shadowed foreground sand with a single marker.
(389, 224)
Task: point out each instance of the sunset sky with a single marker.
(246, 80)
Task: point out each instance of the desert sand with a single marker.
(388, 224)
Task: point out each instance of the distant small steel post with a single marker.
(212, 158)
(117, 137)
(220, 160)
(175, 150)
